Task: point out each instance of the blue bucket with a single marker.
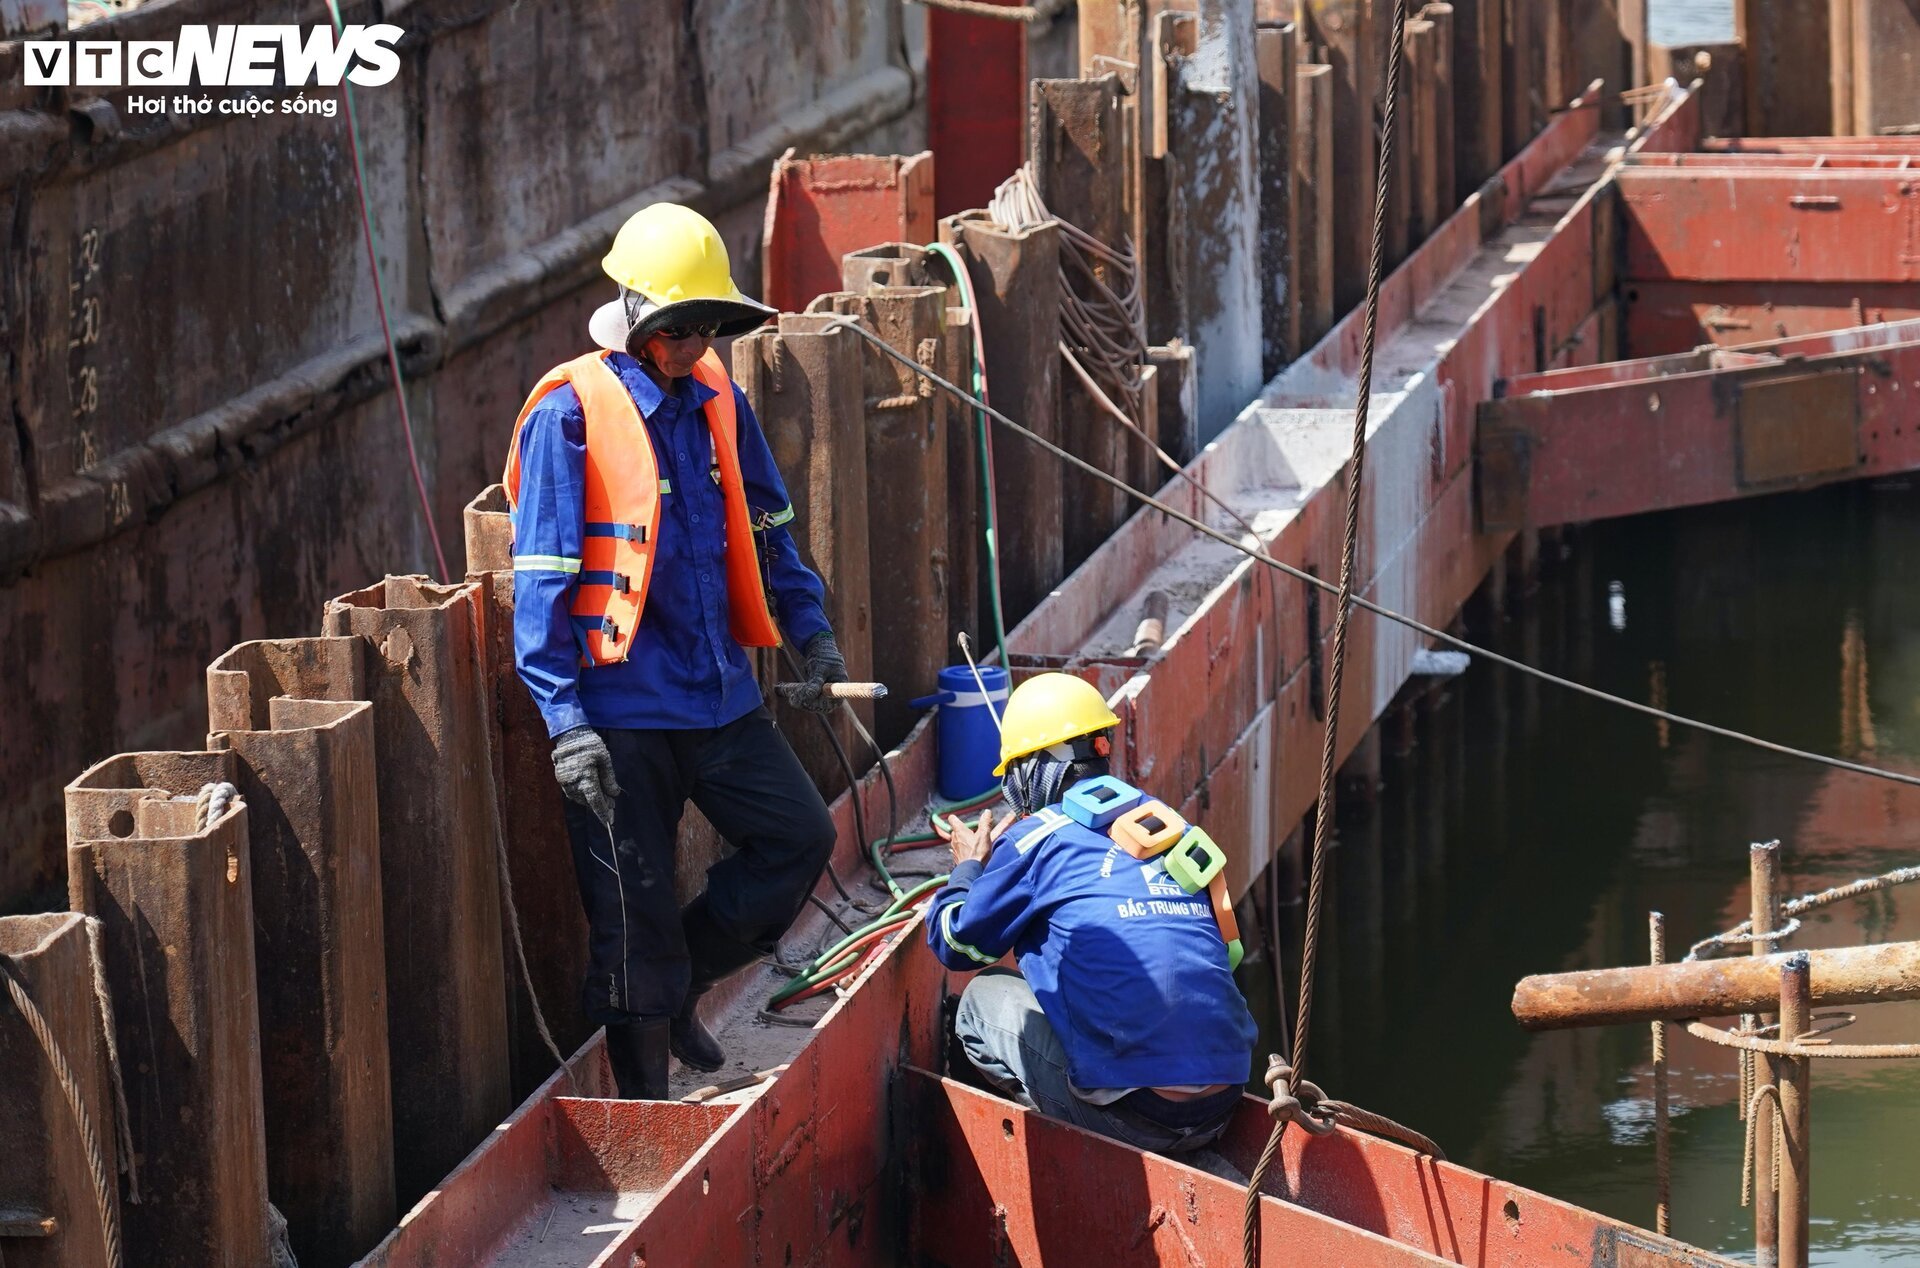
(969, 738)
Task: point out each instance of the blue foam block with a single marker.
(1095, 803)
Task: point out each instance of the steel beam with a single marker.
(805, 382)
(1478, 70)
(1769, 224)
(1876, 58)
(439, 875)
(1313, 202)
(818, 209)
(1213, 207)
(1341, 35)
(976, 105)
(1016, 281)
(1278, 60)
(1081, 155)
(553, 928)
(176, 907)
(46, 1183)
(906, 496)
(1788, 45)
(304, 763)
(1624, 439)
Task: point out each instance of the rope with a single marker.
(1742, 933)
(103, 1000)
(1343, 607)
(512, 911)
(213, 802)
(1769, 1092)
(104, 1194)
(386, 325)
(1752, 1040)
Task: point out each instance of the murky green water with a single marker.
(1523, 829)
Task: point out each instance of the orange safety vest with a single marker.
(623, 508)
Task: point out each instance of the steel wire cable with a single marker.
(1364, 604)
(1343, 608)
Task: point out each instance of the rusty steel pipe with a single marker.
(1877, 974)
(1662, 1129)
(1795, 1077)
(1763, 867)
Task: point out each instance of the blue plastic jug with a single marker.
(968, 736)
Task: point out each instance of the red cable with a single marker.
(386, 331)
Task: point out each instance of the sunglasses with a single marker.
(705, 330)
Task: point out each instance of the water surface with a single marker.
(1523, 829)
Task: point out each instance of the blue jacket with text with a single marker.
(1128, 967)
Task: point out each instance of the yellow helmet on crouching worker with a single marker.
(1049, 709)
(673, 271)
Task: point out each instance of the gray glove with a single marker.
(584, 768)
(825, 664)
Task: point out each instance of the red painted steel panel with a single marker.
(1442, 1209)
(976, 104)
(1813, 145)
(1709, 435)
(1770, 226)
(819, 209)
(1662, 317)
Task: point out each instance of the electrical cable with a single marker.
(1367, 605)
(386, 325)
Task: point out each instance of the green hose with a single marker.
(984, 447)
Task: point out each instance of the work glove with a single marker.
(825, 664)
(584, 768)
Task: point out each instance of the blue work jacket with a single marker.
(1129, 969)
(684, 670)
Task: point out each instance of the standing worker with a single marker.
(651, 547)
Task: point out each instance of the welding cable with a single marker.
(386, 324)
(983, 440)
(1259, 553)
(853, 782)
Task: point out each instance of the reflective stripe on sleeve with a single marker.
(774, 519)
(946, 931)
(545, 563)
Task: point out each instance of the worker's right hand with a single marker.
(584, 768)
(972, 844)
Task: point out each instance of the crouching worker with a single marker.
(1124, 1018)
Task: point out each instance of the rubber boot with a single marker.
(690, 1039)
(637, 1051)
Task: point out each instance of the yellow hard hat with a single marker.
(1049, 709)
(673, 257)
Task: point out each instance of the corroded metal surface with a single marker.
(822, 208)
(1707, 426)
(439, 878)
(46, 1176)
(149, 520)
(1713, 988)
(304, 763)
(177, 909)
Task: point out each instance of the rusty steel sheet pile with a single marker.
(305, 941)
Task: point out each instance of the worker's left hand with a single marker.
(825, 664)
(972, 844)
